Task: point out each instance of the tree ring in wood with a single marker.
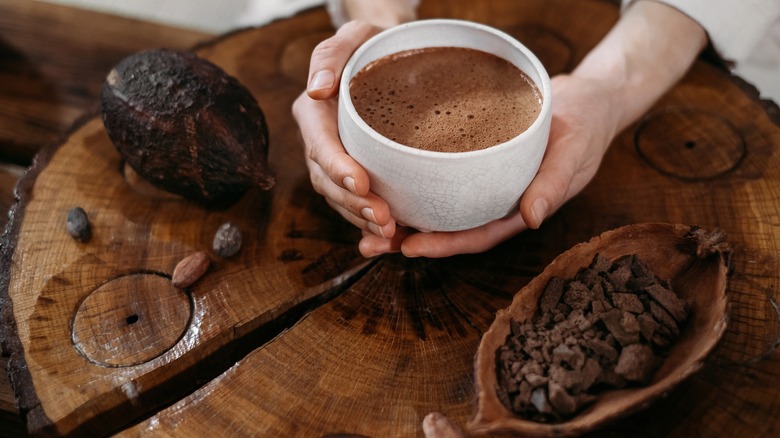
(553, 49)
(689, 144)
(130, 320)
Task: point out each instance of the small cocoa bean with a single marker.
(190, 269)
(227, 240)
(78, 224)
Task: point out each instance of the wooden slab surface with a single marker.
(298, 335)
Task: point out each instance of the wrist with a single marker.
(648, 51)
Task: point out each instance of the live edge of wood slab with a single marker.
(298, 334)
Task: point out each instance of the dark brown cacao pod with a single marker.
(186, 126)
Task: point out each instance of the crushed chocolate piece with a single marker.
(613, 320)
(669, 301)
(647, 326)
(561, 400)
(600, 263)
(636, 363)
(601, 349)
(664, 318)
(588, 276)
(551, 295)
(607, 327)
(536, 380)
(619, 277)
(628, 302)
(577, 295)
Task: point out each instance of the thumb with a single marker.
(551, 186)
(330, 56)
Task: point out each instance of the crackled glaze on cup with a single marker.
(446, 191)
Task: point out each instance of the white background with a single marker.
(212, 16)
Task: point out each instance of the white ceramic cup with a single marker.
(446, 191)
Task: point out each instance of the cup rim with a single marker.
(545, 89)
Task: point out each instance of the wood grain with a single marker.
(90, 384)
(379, 344)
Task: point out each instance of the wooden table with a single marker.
(298, 335)
(53, 60)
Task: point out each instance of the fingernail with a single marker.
(321, 80)
(349, 183)
(376, 229)
(539, 211)
(368, 214)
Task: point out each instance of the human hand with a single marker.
(583, 125)
(334, 174)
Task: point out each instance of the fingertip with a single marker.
(321, 85)
(358, 179)
(537, 213)
(371, 246)
(349, 183)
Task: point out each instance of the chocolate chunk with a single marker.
(576, 381)
(619, 277)
(601, 348)
(670, 302)
(630, 323)
(577, 295)
(587, 276)
(636, 363)
(590, 373)
(664, 318)
(647, 326)
(613, 320)
(600, 306)
(551, 295)
(536, 380)
(638, 284)
(661, 341)
(531, 368)
(600, 263)
(569, 356)
(561, 400)
(610, 378)
(579, 321)
(523, 398)
(566, 378)
(628, 302)
(640, 268)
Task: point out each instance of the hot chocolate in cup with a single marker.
(494, 146)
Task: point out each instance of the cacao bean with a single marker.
(190, 269)
(186, 126)
(78, 224)
(227, 240)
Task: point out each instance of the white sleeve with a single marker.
(338, 16)
(734, 27)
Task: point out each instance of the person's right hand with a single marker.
(334, 174)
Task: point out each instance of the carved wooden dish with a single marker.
(694, 260)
